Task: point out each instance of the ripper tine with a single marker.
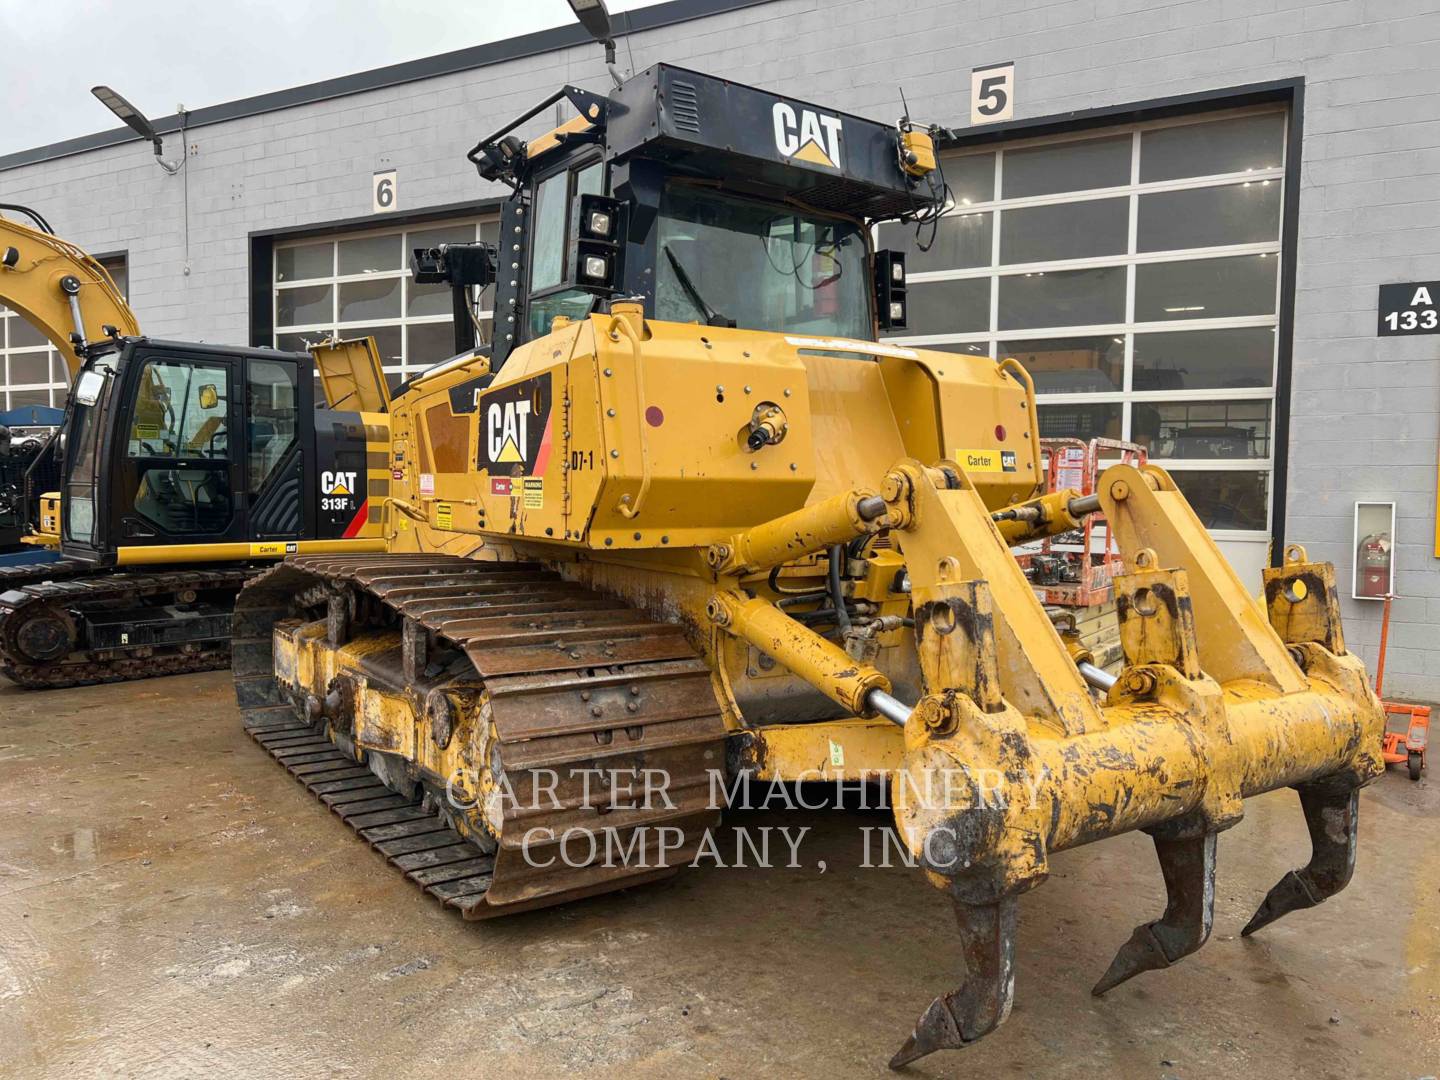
(1332, 816)
(982, 1002)
(1189, 869)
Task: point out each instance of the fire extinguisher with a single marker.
(1374, 561)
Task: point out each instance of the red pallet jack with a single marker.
(1401, 747)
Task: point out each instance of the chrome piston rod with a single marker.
(893, 709)
(1101, 680)
(896, 711)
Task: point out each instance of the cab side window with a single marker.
(557, 208)
(547, 247)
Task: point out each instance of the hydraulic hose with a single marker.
(837, 593)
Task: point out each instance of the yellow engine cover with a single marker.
(617, 433)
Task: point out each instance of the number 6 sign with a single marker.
(992, 93)
(384, 193)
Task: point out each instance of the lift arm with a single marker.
(61, 290)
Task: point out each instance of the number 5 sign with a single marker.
(992, 93)
(384, 192)
(1410, 308)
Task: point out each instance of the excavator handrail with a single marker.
(60, 290)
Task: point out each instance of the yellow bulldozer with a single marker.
(692, 520)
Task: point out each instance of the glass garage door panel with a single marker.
(1080, 230)
(1062, 298)
(1206, 288)
(1205, 359)
(1081, 421)
(947, 307)
(1243, 144)
(359, 285)
(305, 262)
(1134, 273)
(1247, 213)
(1080, 365)
(1067, 166)
(959, 241)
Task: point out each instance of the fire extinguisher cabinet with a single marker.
(1374, 551)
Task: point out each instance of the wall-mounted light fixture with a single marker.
(136, 121)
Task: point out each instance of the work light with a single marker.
(599, 224)
(596, 267)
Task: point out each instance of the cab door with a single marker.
(276, 447)
(180, 477)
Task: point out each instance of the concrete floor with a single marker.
(172, 902)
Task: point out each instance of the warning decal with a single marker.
(534, 492)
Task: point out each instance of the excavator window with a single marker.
(181, 411)
(759, 266)
(179, 433)
(92, 391)
(271, 393)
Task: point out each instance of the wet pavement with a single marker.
(172, 903)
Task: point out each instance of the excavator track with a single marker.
(68, 623)
(13, 577)
(572, 680)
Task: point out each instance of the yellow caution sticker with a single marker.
(444, 516)
(534, 487)
(977, 461)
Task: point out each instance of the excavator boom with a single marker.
(61, 291)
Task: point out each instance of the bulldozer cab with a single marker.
(707, 201)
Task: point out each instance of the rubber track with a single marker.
(78, 585)
(542, 646)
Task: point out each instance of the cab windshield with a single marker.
(724, 261)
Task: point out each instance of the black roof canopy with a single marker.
(716, 128)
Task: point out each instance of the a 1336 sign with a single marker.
(1410, 308)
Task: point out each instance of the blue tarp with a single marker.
(31, 556)
(32, 416)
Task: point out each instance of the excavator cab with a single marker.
(181, 451)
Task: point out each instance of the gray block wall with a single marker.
(1366, 411)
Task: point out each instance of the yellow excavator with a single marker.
(184, 468)
(691, 523)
